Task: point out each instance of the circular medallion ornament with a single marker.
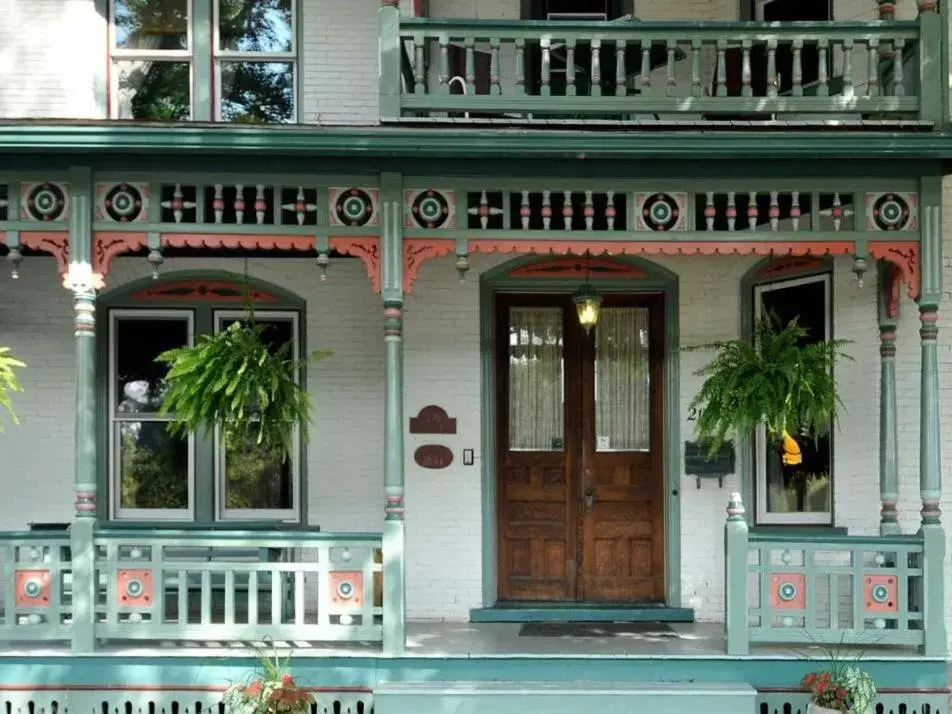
(32, 588)
(660, 212)
(787, 591)
(123, 203)
(890, 212)
(879, 593)
(430, 209)
(354, 207)
(46, 202)
(345, 589)
(134, 588)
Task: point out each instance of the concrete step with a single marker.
(500, 697)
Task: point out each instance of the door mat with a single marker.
(596, 629)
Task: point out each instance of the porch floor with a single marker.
(438, 640)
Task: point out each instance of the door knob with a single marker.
(589, 497)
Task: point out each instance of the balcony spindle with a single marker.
(520, 80)
(596, 68)
(671, 81)
(795, 210)
(797, 74)
(774, 210)
(746, 89)
(568, 210)
(443, 71)
(753, 212)
(419, 71)
(470, 44)
(823, 77)
(644, 77)
(848, 67)
(621, 88)
(545, 79)
(872, 79)
(546, 210)
(570, 68)
(525, 211)
(731, 211)
(721, 68)
(710, 211)
(495, 81)
(696, 89)
(899, 88)
(610, 210)
(772, 81)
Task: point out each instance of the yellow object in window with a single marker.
(791, 450)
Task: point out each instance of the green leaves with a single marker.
(9, 383)
(774, 379)
(233, 380)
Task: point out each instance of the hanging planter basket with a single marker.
(772, 379)
(9, 383)
(236, 381)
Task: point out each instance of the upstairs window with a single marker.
(223, 60)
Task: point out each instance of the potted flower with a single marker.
(240, 381)
(9, 383)
(777, 378)
(840, 688)
(272, 690)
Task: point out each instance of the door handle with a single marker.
(589, 497)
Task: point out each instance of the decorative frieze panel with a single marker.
(44, 201)
(122, 202)
(892, 212)
(547, 210)
(430, 208)
(354, 207)
(238, 204)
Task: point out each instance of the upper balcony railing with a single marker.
(537, 70)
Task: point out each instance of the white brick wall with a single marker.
(444, 530)
(49, 51)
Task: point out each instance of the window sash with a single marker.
(116, 51)
(114, 79)
(117, 512)
(764, 516)
(223, 513)
(247, 56)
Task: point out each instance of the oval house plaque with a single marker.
(433, 456)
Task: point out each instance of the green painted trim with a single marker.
(205, 515)
(581, 613)
(745, 444)
(797, 532)
(457, 141)
(203, 54)
(657, 279)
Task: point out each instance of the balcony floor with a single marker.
(439, 640)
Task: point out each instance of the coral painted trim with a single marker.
(891, 286)
(365, 248)
(417, 251)
(108, 245)
(905, 256)
(786, 267)
(202, 291)
(238, 240)
(565, 247)
(560, 267)
(56, 243)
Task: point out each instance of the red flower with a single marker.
(824, 677)
(253, 689)
(821, 686)
(809, 679)
(841, 693)
(287, 680)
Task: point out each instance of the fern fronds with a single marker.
(9, 383)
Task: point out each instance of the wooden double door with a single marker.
(580, 440)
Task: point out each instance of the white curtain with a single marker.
(622, 380)
(536, 411)
(134, 72)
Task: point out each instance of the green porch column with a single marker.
(930, 466)
(736, 548)
(394, 531)
(388, 29)
(81, 281)
(888, 425)
(931, 42)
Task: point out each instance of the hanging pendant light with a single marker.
(587, 302)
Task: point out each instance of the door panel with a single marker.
(579, 462)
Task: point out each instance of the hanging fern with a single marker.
(9, 382)
(773, 379)
(233, 380)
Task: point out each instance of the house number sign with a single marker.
(433, 419)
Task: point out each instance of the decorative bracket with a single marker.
(365, 248)
(416, 251)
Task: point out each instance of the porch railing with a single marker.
(824, 589)
(641, 70)
(198, 585)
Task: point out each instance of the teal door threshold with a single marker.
(580, 612)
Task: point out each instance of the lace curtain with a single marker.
(536, 410)
(622, 380)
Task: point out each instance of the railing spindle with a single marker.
(872, 79)
(520, 79)
(545, 79)
(772, 80)
(899, 87)
(298, 598)
(229, 596)
(252, 597)
(596, 67)
(671, 81)
(644, 76)
(206, 597)
(567, 210)
(495, 81)
(721, 68)
(746, 89)
(419, 71)
(696, 89)
(797, 73)
(823, 78)
(277, 599)
(621, 88)
(570, 67)
(470, 65)
(444, 66)
(848, 67)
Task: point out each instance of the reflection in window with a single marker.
(803, 492)
(536, 411)
(150, 467)
(257, 92)
(150, 25)
(154, 91)
(622, 380)
(254, 478)
(260, 26)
